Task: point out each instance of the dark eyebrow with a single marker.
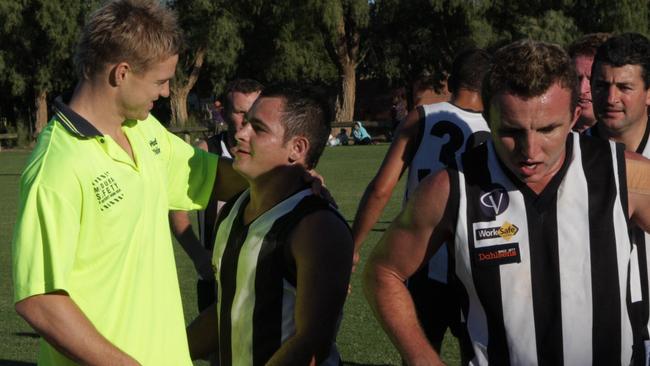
(257, 121)
(506, 125)
(551, 126)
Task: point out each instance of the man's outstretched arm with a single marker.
(322, 248)
(57, 318)
(417, 232)
(379, 190)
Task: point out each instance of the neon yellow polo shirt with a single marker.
(94, 223)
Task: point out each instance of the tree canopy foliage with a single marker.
(333, 43)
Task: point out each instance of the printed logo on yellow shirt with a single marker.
(107, 191)
(154, 146)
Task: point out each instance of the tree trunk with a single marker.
(40, 103)
(180, 91)
(178, 107)
(347, 93)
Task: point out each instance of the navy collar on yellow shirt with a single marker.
(73, 122)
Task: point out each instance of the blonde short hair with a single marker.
(139, 32)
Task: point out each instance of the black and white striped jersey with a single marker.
(447, 130)
(642, 239)
(548, 278)
(256, 279)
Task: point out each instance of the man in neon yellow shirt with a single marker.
(94, 270)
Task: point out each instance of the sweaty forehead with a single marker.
(511, 109)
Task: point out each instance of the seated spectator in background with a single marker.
(343, 137)
(360, 135)
(282, 256)
(332, 141)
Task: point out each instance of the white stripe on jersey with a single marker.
(475, 317)
(574, 265)
(623, 253)
(645, 240)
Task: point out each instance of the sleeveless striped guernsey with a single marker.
(641, 239)
(547, 278)
(257, 279)
(447, 131)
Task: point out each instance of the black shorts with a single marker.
(436, 306)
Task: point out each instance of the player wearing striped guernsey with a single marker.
(621, 90)
(539, 226)
(282, 256)
(427, 142)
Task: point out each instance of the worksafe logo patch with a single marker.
(107, 191)
(505, 231)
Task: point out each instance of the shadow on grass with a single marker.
(27, 334)
(15, 363)
(360, 364)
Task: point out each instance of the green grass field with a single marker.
(347, 171)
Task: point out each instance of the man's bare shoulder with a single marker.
(322, 231)
(323, 223)
(427, 208)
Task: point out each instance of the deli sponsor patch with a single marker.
(497, 254)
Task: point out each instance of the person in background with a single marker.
(621, 94)
(582, 52)
(343, 137)
(360, 135)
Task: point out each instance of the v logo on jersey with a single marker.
(494, 202)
